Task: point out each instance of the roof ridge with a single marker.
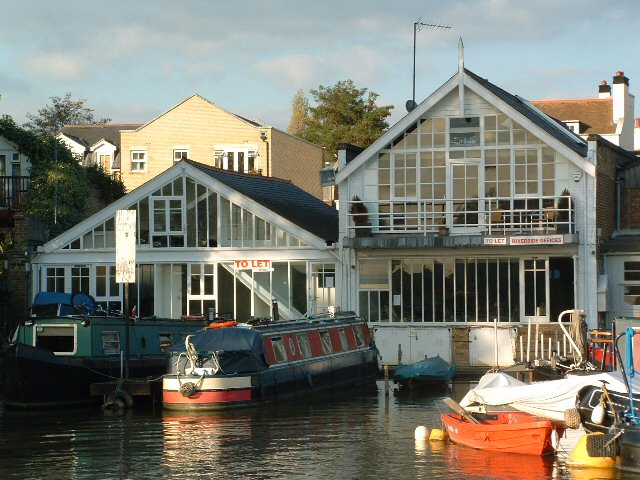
(239, 174)
(608, 99)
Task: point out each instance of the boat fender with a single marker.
(187, 389)
(309, 379)
(119, 399)
(581, 456)
(597, 414)
(555, 440)
(572, 418)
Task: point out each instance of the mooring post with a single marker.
(386, 380)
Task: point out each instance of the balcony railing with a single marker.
(13, 191)
(488, 216)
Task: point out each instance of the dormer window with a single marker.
(573, 125)
(464, 132)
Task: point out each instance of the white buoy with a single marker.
(421, 433)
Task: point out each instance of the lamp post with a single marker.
(417, 26)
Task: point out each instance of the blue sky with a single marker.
(134, 59)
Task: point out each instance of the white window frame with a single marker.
(141, 163)
(180, 153)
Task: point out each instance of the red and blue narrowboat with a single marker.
(232, 365)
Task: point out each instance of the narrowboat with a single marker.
(68, 343)
(239, 365)
(505, 432)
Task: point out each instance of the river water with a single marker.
(368, 435)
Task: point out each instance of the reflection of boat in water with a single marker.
(430, 372)
(467, 463)
(242, 365)
(68, 343)
(505, 432)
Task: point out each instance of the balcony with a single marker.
(12, 192)
(489, 216)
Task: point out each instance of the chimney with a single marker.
(346, 153)
(623, 114)
(604, 90)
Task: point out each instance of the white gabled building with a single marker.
(479, 208)
(206, 239)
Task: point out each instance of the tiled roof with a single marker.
(595, 114)
(283, 198)
(548, 124)
(88, 135)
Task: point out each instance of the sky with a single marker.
(132, 60)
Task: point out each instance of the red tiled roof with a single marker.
(595, 115)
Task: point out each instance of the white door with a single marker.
(482, 346)
(534, 294)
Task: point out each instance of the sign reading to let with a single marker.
(255, 265)
(126, 246)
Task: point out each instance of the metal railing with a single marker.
(489, 216)
(13, 191)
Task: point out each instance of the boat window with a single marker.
(359, 336)
(343, 339)
(279, 349)
(110, 343)
(303, 342)
(58, 338)
(326, 342)
(166, 340)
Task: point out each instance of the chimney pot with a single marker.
(603, 82)
(619, 73)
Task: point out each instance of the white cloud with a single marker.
(55, 66)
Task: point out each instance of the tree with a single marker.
(299, 113)
(345, 114)
(74, 182)
(62, 111)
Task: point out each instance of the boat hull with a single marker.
(279, 383)
(589, 397)
(629, 443)
(506, 432)
(35, 377)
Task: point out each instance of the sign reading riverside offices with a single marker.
(532, 240)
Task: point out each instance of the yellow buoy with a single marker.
(580, 457)
(421, 433)
(438, 435)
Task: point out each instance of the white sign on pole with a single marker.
(126, 246)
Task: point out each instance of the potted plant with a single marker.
(443, 230)
(565, 206)
(360, 214)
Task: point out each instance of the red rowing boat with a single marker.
(508, 432)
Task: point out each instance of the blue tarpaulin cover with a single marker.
(429, 369)
(239, 349)
(46, 303)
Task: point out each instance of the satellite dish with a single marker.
(410, 105)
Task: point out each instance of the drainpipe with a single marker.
(575, 281)
(618, 198)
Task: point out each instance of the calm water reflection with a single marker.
(362, 437)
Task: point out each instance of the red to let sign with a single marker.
(255, 265)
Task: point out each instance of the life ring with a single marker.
(231, 323)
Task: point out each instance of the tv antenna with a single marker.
(417, 26)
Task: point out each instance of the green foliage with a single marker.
(51, 160)
(299, 113)
(110, 188)
(62, 111)
(345, 114)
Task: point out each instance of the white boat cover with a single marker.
(547, 399)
